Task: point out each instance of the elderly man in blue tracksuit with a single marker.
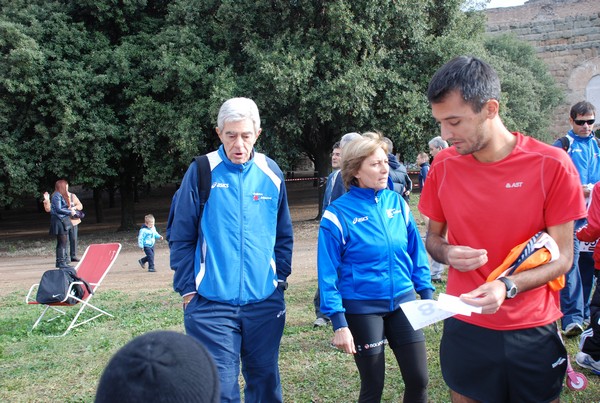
(231, 264)
(582, 146)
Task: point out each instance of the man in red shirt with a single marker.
(489, 192)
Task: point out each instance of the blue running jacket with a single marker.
(244, 244)
(370, 255)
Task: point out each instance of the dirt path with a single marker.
(18, 273)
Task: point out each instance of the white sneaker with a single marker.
(573, 329)
(320, 322)
(586, 361)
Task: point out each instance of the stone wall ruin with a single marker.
(566, 35)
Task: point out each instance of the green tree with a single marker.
(530, 93)
(159, 80)
(118, 95)
(104, 94)
(55, 118)
(319, 69)
(20, 66)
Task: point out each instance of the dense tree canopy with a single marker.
(113, 95)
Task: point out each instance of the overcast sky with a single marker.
(505, 3)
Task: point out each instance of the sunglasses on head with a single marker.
(582, 122)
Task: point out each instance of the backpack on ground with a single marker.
(204, 179)
(54, 287)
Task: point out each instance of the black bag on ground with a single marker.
(54, 287)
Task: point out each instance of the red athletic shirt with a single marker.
(496, 206)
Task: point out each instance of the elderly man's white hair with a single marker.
(438, 142)
(348, 137)
(236, 109)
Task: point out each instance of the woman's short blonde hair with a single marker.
(356, 151)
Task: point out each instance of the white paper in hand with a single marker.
(424, 312)
(454, 304)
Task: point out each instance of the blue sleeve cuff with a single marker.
(338, 320)
(427, 293)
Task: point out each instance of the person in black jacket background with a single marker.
(398, 173)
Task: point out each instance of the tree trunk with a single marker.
(136, 192)
(111, 196)
(126, 186)
(323, 167)
(98, 207)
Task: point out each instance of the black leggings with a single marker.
(370, 333)
(61, 246)
(412, 359)
(591, 343)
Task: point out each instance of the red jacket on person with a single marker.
(591, 231)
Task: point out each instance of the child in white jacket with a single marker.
(146, 239)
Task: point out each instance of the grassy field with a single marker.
(37, 368)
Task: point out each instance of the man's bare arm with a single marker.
(463, 258)
(491, 295)
(563, 236)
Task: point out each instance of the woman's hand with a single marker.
(343, 340)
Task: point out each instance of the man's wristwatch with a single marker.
(511, 288)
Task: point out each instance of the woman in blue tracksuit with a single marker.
(370, 260)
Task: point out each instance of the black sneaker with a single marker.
(151, 270)
(74, 259)
(141, 264)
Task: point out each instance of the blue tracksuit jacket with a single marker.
(585, 155)
(370, 255)
(244, 245)
(147, 236)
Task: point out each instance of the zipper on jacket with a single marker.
(242, 239)
(390, 250)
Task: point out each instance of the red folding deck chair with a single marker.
(93, 267)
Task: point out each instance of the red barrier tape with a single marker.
(415, 185)
(303, 179)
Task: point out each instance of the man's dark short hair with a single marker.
(476, 81)
(582, 108)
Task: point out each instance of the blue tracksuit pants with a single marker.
(571, 297)
(248, 333)
(149, 258)
(586, 271)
